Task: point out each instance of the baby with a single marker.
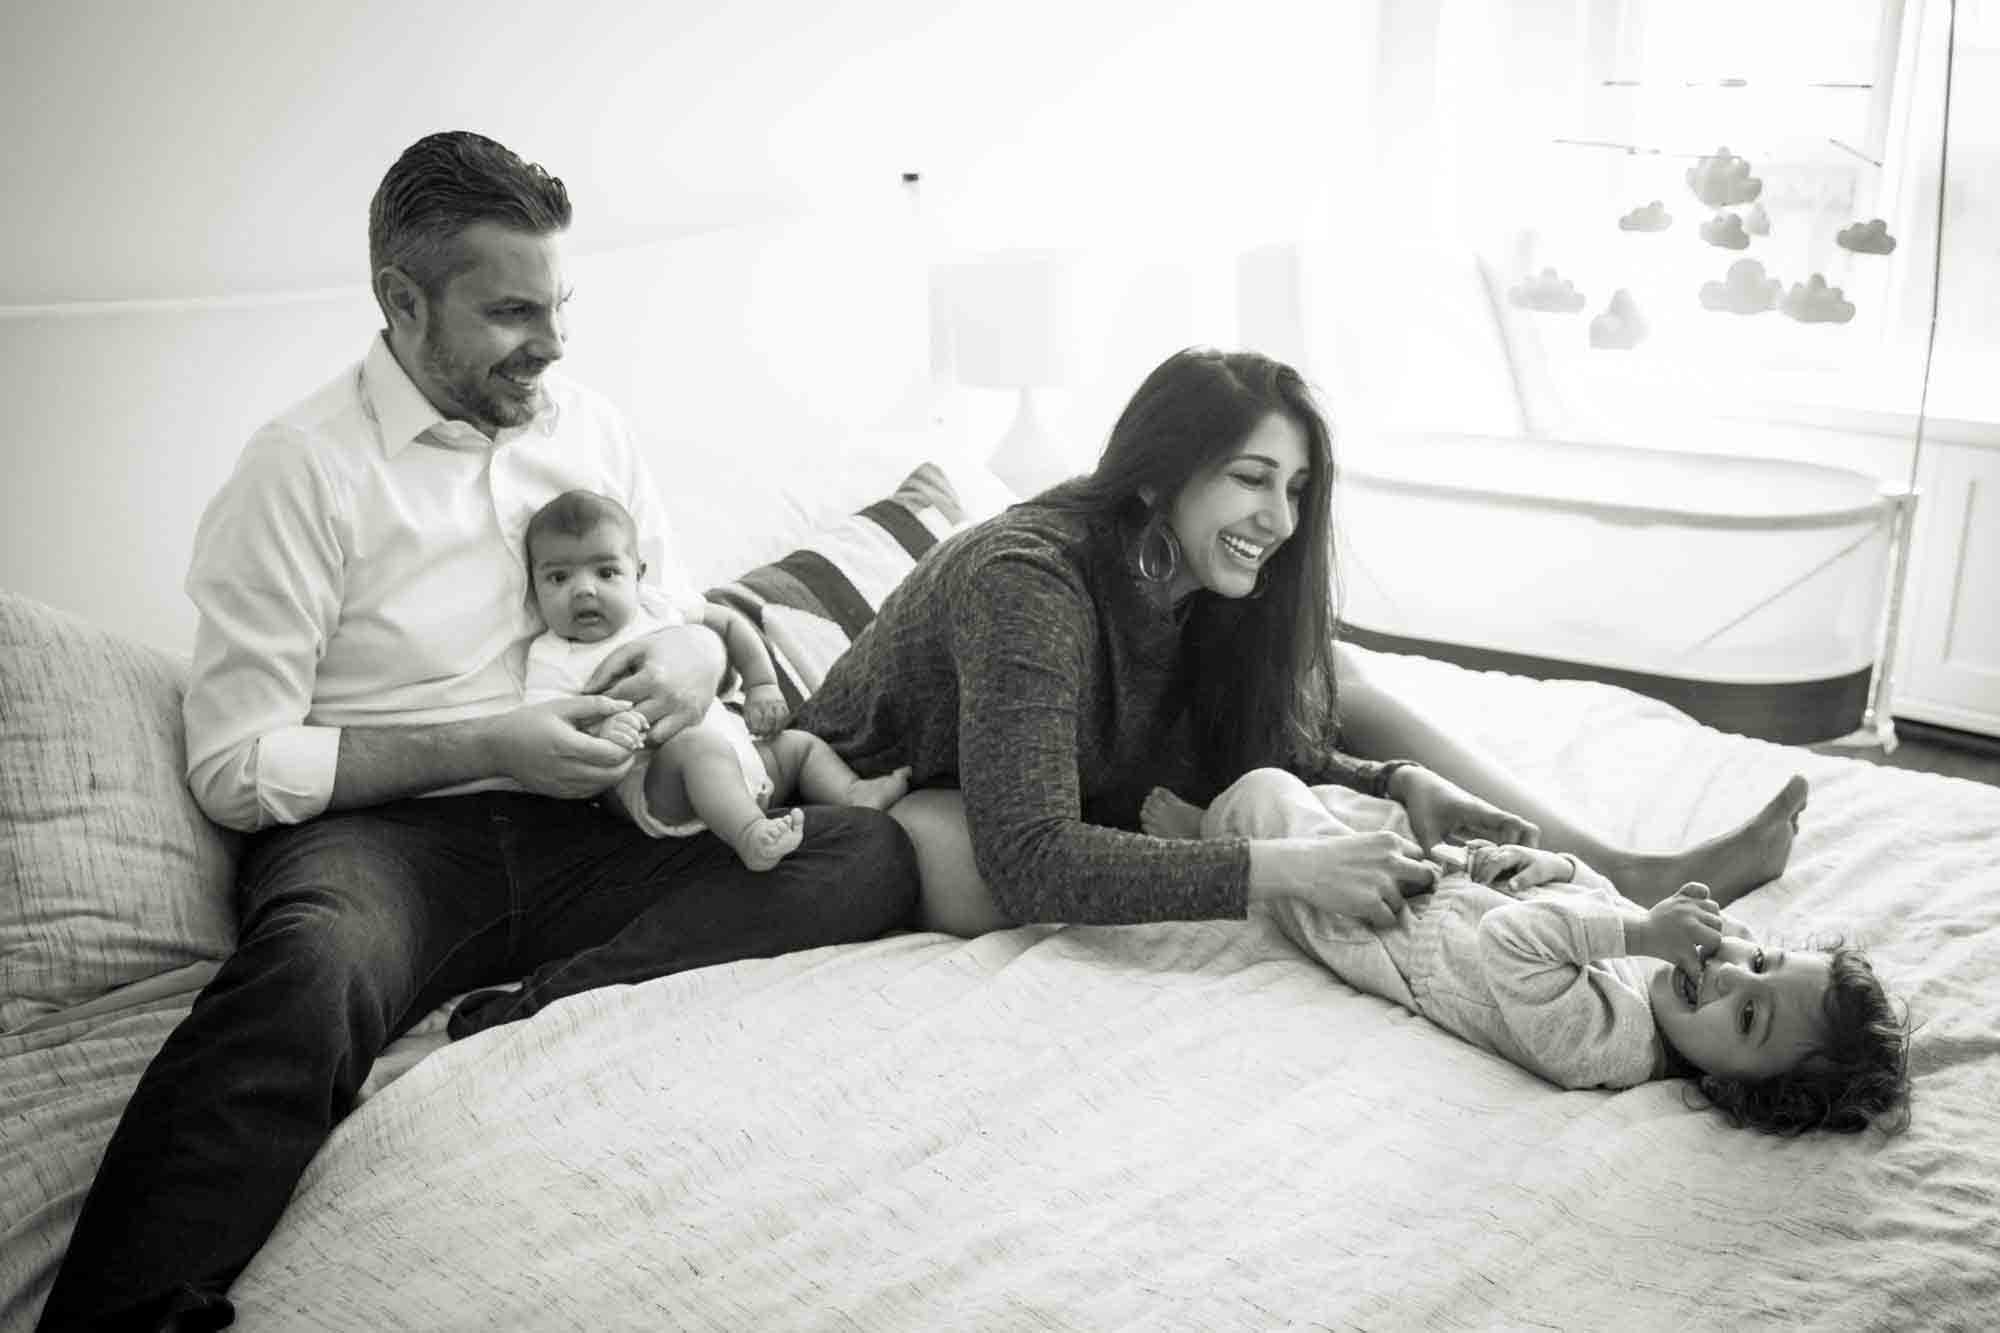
(1564, 981)
(722, 773)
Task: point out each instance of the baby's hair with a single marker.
(1858, 1075)
(576, 514)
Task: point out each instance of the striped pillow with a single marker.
(810, 604)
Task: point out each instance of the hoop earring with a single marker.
(1159, 568)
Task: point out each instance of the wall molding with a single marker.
(178, 305)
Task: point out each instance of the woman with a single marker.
(1168, 621)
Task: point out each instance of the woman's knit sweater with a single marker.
(1024, 662)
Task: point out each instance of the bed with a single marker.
(1181, 1126)
(1186, 1126)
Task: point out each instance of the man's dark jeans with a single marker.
(353, 927)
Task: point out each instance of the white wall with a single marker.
(747, 359)
(177, 148)
(184, 252)
(121, 421)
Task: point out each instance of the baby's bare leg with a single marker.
(1269, 803)
(801, 762)
(703, 771)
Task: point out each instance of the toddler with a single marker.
(722, 773)
(1581, 985)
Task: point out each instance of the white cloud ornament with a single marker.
(1548, 292)
(1620, 327)
(1723, 180)
(1813, 302)
(1726, 230)
(1647, 217)
(1744, 291)
(1866, 238)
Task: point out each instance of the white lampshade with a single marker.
(1012, 325)
(1013, 319)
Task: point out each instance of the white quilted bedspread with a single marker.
(1172, 1127)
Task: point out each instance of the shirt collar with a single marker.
(402, 415)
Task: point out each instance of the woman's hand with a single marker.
(1441, 810)
(1365, 875)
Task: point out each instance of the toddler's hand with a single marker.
(627, 728)
(764, 710)
(1682, 929)
(1512, 868)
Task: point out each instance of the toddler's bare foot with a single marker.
(1731, 865)
(762, 843)
(880, 793)
(1165, 815)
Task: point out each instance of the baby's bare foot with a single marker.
(1165, 815)
(763, 842)
(880, 793)
(627, 728)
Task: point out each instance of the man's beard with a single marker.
(471, 390)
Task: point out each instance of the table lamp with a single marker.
(1013, 325)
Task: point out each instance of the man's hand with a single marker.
(544, 747)
(764, 710)
(627, 727)
(669, 676)
(1441, 810)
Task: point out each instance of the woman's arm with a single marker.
(1024, 645)
(1375, 723)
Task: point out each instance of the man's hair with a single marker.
(442, 184)
(1857, 1076)
(577, 514)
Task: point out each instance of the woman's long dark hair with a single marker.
(1260, 670)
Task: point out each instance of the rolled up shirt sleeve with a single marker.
(265, 581)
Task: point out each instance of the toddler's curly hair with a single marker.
(1858, 1076)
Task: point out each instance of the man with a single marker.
(355, 707)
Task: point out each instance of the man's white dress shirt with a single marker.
(363, 567)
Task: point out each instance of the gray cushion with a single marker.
(109, 871)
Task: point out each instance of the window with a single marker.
(1707, 208)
